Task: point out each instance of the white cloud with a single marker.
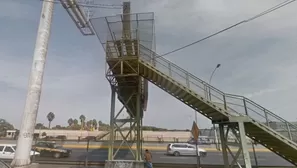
(269, 90)
(258, 60)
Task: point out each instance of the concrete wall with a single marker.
(147, 135)
(182, 136)
(70, 134)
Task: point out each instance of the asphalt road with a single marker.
(150, 144)
(100, 155)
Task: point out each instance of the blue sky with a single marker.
(258, 59)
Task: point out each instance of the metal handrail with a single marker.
(255, 104)
(189, 79)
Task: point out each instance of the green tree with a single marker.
(43, 134)
(95, 123)
(75, 126)
(75, 122)
(102, 126)
(82, 120)
(4, 126)
(58, 127)
(100, 123)
(40, 126)
(70, 122)
(50, 117)
(89, 124)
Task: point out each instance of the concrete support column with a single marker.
(24, 144)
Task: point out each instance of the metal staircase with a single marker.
(209, 101)
(219, 106)
(128, 40)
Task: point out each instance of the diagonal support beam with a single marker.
(240, 120)
(125, 103)
(235, 123)
(125, 140)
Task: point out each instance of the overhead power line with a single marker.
(232, 26)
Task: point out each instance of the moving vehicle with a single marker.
(184, 149)
(51, 149)
(7, 151)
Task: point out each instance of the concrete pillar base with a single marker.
(123, 164)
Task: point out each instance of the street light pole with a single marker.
(209, 94)
(24, 143)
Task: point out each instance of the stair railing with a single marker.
(241, 104)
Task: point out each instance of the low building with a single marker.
(11, 133)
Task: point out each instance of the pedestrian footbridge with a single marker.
(131, 64)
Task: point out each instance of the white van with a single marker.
(7, 151)
(183, 149)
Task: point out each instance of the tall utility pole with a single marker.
(214, 126)
(24, 144)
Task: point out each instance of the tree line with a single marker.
(80, 123)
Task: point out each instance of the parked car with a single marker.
(184, 149)
(7, 151)
(51, 149)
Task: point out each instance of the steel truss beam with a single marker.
(236, 126)
(79, 16)
(121, 69)
(120, 65)
(135, 126)
(125, 80)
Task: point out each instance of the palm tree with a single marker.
(70, 122)
(50, 117)
(89, 124)
(75, 122)
(100, 123)
(95, 124)
(82, 120)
